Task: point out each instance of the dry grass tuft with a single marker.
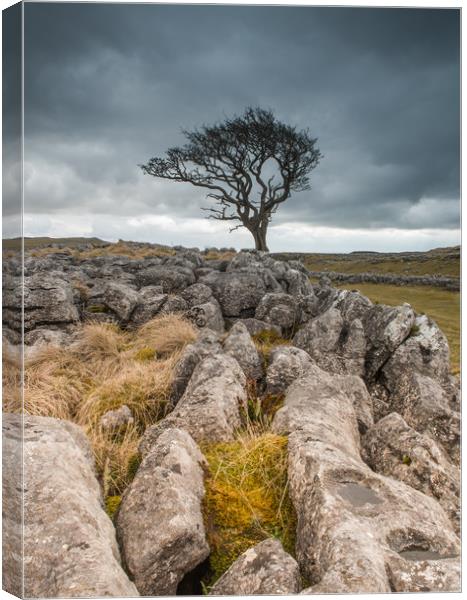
(124, 249)
(166, 334)
(247, 497)
(102, 370)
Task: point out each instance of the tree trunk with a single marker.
(259, 235)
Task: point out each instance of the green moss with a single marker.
(133, 465)
(112, 504)
(415, 330)
(97, 308)
(246, 498)
(406, 460)
(146, 353)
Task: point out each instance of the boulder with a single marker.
(48, 301)
(116, 297)
(352, 305)
(333, 344)
(264, 569)
(212, 405)
(207, 344)
(238, 293)
(207, 315)
(69, 547)
(425, 406)
(240, 346)
(385, 328)
(173, 279)
(196, 294)
(173, 304)
(286, 364)
(393, 448)
(113, 420)
(159, 523)
(151, 302)
(255, 326)
(281, 310)
(351, 521)
(425, 351)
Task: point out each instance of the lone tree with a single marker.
(251, 164)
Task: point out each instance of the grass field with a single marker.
(441, 305)
(440, 261)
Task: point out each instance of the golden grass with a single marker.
(246, 498)
(117, 249)
(214, 255)
(165, 334)
(441, 305)
(436, 264)
(102, 370)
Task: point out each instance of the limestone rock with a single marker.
(207, 344)
(264, 569)
(255, 326)
(281, 310)
(393, 448)
(207, 315)
(351, 521)
(118, 298)
(151, 302)
(426, 351)
(159, 523)
(237, 293)
(334, 345)
(172, 278)
(386, 328)
(426, 407)
(196, 294)
(286, 364)
(113, 420)
(69, 541)
(240, 346)
(48, 300)
(210, 409)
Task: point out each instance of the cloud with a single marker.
(109, 86)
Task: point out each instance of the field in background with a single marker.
(442, 306)
(440, 261)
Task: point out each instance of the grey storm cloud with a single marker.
(109, 86)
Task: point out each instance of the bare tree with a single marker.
(251, 164)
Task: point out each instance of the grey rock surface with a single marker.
(172, 278)
(69, 541)
(240, 346)
(351, 521)
(113, 420)
(281, 310)
(211, 408)
(264, 569)
(207, 344)
(238, 293)
(385, 328)
(207, 315)
(48, 300)
(393, 448)
(286, 364)
(159, 524)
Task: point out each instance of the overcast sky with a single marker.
(109, 86)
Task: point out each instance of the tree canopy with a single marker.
(250, 164)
